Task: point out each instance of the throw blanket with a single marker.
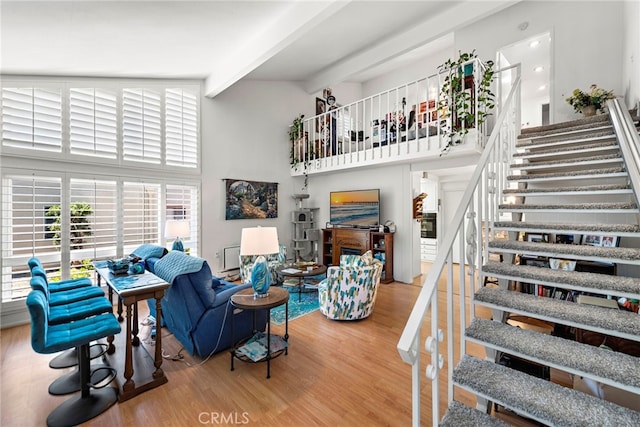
(176, 263)
(148, 250)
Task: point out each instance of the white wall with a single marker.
(586, 37)
(631, 54)
(244, 136)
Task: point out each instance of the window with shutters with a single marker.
(140, 214)
(141, 125)
(181, 128)
(101, 193)
(181, 203)
(93, 122)
(32, 118)
(28, 202)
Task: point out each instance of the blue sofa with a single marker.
(196, 307)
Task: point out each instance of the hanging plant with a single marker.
(295, 134)
(457, 99)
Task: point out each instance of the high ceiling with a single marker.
(318, 43)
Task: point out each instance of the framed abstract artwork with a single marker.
(250, 199)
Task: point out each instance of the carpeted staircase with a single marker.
(567, 179)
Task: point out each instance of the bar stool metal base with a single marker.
(69, 358)
(77, 409)
(70, 383)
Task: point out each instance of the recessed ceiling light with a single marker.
(538, 69)
(534, 43)
(543, 87)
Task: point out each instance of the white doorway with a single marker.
(534, 55)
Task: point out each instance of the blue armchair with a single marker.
(196, 307)
(150, 253)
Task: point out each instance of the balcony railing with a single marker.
(411, 121)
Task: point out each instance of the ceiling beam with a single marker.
(433, 27)
(293, 23)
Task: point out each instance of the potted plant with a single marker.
(458, 100)
(591, 102)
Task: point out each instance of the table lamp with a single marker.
(175, 229)
(260, 241)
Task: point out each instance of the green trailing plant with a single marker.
(296, 133)
(456, 98)
(596, 97)
(80, 228)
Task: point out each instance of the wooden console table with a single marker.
(141, 372)
(340, 241)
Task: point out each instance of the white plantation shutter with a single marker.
(27, 230)
(181, 128)
(182, 204)
(141, 125)
(93, 122)
(97, 238)
(32, 118)
(140, 214)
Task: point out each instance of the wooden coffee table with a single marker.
(301, 273)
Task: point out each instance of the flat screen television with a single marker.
(357, 208)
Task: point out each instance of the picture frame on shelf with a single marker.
(599, 240)
(591, 240)
(536, 237)
(566, 239)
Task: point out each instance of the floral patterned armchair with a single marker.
(350, 289)
(274, 261)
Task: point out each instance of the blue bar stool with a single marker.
(68, 358)
(68, 306)
(47, 338)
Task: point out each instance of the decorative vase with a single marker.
(260, 277)
(589, 110)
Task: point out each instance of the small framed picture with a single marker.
(537, 237)
(566, 239)
(592, 240)
(596, 240)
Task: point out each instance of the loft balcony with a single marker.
(403, 124)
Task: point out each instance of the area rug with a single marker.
(308, 304)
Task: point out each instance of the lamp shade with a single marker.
(259, 241)
(177, 228)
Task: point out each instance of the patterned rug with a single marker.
(308, 304)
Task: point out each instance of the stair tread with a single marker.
(461, 415)
(601, 228)
(577, 189)
(578, 206)
(604, 283)
(608, 144)
(583, 251)
(569, 174)
(542, 400)
(565, 138)
(601, 364)
(624, 324)
(566, 162)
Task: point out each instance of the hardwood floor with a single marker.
(336, 373)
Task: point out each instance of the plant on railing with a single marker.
(595, 98)
(298, 137)
(458, 100)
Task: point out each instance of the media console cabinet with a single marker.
(346, 241)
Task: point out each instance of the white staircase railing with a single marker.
(629, 142)
(479, 206)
